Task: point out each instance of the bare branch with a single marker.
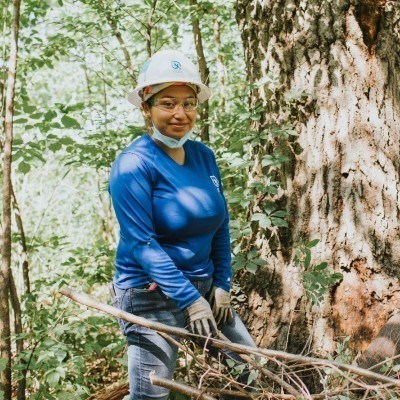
(179, 387)
(117, 33)
(149, 27)
(221, 344)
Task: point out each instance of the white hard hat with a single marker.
(168, 66)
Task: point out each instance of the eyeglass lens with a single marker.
(171, 104)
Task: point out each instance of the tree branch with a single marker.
(179, 387)
(150, 27)
(221, 344)
(114, 27)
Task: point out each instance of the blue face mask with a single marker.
(168, 141)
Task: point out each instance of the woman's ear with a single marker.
(146, 109)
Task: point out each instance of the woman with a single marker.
(174, 248)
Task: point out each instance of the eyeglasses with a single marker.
(171, 104)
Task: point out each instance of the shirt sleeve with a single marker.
(131, 192)
(221, 247)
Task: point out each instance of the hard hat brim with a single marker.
(134, 98)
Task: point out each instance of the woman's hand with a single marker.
(201, 319)
(220, 301)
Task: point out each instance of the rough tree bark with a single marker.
(343, 188)
(5, 342)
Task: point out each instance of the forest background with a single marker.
(304, 121)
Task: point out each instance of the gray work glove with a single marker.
(200, 318)
(220, 301)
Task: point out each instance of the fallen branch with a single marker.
(220, 344)
(179, 387)
(233, 383)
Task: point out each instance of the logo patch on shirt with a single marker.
(215, 181)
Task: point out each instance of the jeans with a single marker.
(148, 351)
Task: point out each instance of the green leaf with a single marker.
(69, 122)
(45, 355)
(61, 372)
(260, 262)
(312, 243)
(307, 260)
(321, 266)
(36, 115)
(55, 146)
(66, 140)
(20, 121)
(279, 222)
(52, 378)
(28, 109)
(251, 267)
(252, 376)
(336, 276)
(280, 213)
(24, 167)
(61, 354)
(49, 115)
(3, 364)
(17, 142)
(257, 216)
(263, 220)
(230, 363)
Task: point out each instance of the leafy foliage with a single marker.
(316, 279)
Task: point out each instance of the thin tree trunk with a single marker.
(343, 187)
(4, 77)
(220, 63)
(150, 26)
(24, 246)
(16, 305)
(21, 230)
(5, 341)
(107, 220)
(204, 70)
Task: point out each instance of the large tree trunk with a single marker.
(343, 188)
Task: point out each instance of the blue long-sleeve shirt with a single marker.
(173, 220)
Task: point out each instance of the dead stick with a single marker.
(179, 387)
(221, 391)
(220, 344)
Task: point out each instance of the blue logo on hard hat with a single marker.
(176, 65)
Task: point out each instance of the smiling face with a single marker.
(173, 124)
